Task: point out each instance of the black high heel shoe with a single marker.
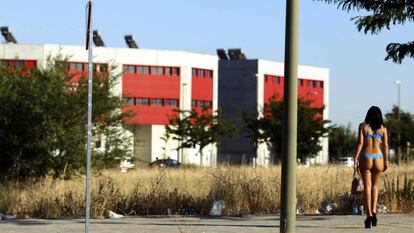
(374, 219)
(368, 222)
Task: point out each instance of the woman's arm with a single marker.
(385, 149)
(360, 143)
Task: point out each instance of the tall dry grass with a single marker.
(245, 190)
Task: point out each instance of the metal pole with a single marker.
(288, 189)
(399, 124)
(398, 83)
(88, 150)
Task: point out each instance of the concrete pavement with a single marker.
(397, 223)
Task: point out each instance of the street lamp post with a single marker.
(88, 147)
(398, 83)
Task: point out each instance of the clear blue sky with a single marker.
(359, 75)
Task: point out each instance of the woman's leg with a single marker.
(365, 166)
(377, 169)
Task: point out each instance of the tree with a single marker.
(404, 128)
(382, 14)
(342, 142)
(267, 127)
(196, 129)
(43, 121)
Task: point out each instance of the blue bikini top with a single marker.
(375, 135)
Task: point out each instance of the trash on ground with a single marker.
(125, 165)
(114, 215)
(217, 208)
(328, 206)
(382, 209)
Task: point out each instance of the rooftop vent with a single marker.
(236, 54)
(130, 40)
(97, 39)
(8, 36)
(221, 53)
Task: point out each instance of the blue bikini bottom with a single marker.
(371, 156)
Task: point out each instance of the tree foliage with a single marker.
(342, 142)
(267, 127)
(195, 129)
(43, 116)
(382, 15)
(404, 128)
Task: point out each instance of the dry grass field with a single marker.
(245, 190)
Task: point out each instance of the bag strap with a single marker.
(357, 172)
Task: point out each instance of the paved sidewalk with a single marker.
(318, 224)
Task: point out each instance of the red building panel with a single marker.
(273, 85)
(80, 69)
(312, 90)
(149, 115)
(307, 89)
(152, 83)
(19, 63)
(202, 89)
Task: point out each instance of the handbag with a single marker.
(357, 184)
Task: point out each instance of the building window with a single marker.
(176, 71)
(168, 71)
(79, 66)
(207, 104)
(194, 72)
(160, 70)
(201, 73)
(100, 68)
(142, 101)
(209, 73)
(128, 69)
(311, 83)
(76, 66)
(145, 70)
(131, 69)
(174, 103)
(153, 70)
(193, 103)
(171, 102)
(103, 67)
(139, 70)
(276, 80)
(18, 63)
(319, 84)
(200, 104)
(130, 101)
(156, 102)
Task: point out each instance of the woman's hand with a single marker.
(386, 164)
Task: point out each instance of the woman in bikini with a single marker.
(372, 135)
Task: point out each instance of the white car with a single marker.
(347, 161)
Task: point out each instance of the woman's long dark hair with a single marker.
(374, 118)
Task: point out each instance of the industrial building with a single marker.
(246, 84)
(155, 82)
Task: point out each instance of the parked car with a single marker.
(165, 163)
(346, 161)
